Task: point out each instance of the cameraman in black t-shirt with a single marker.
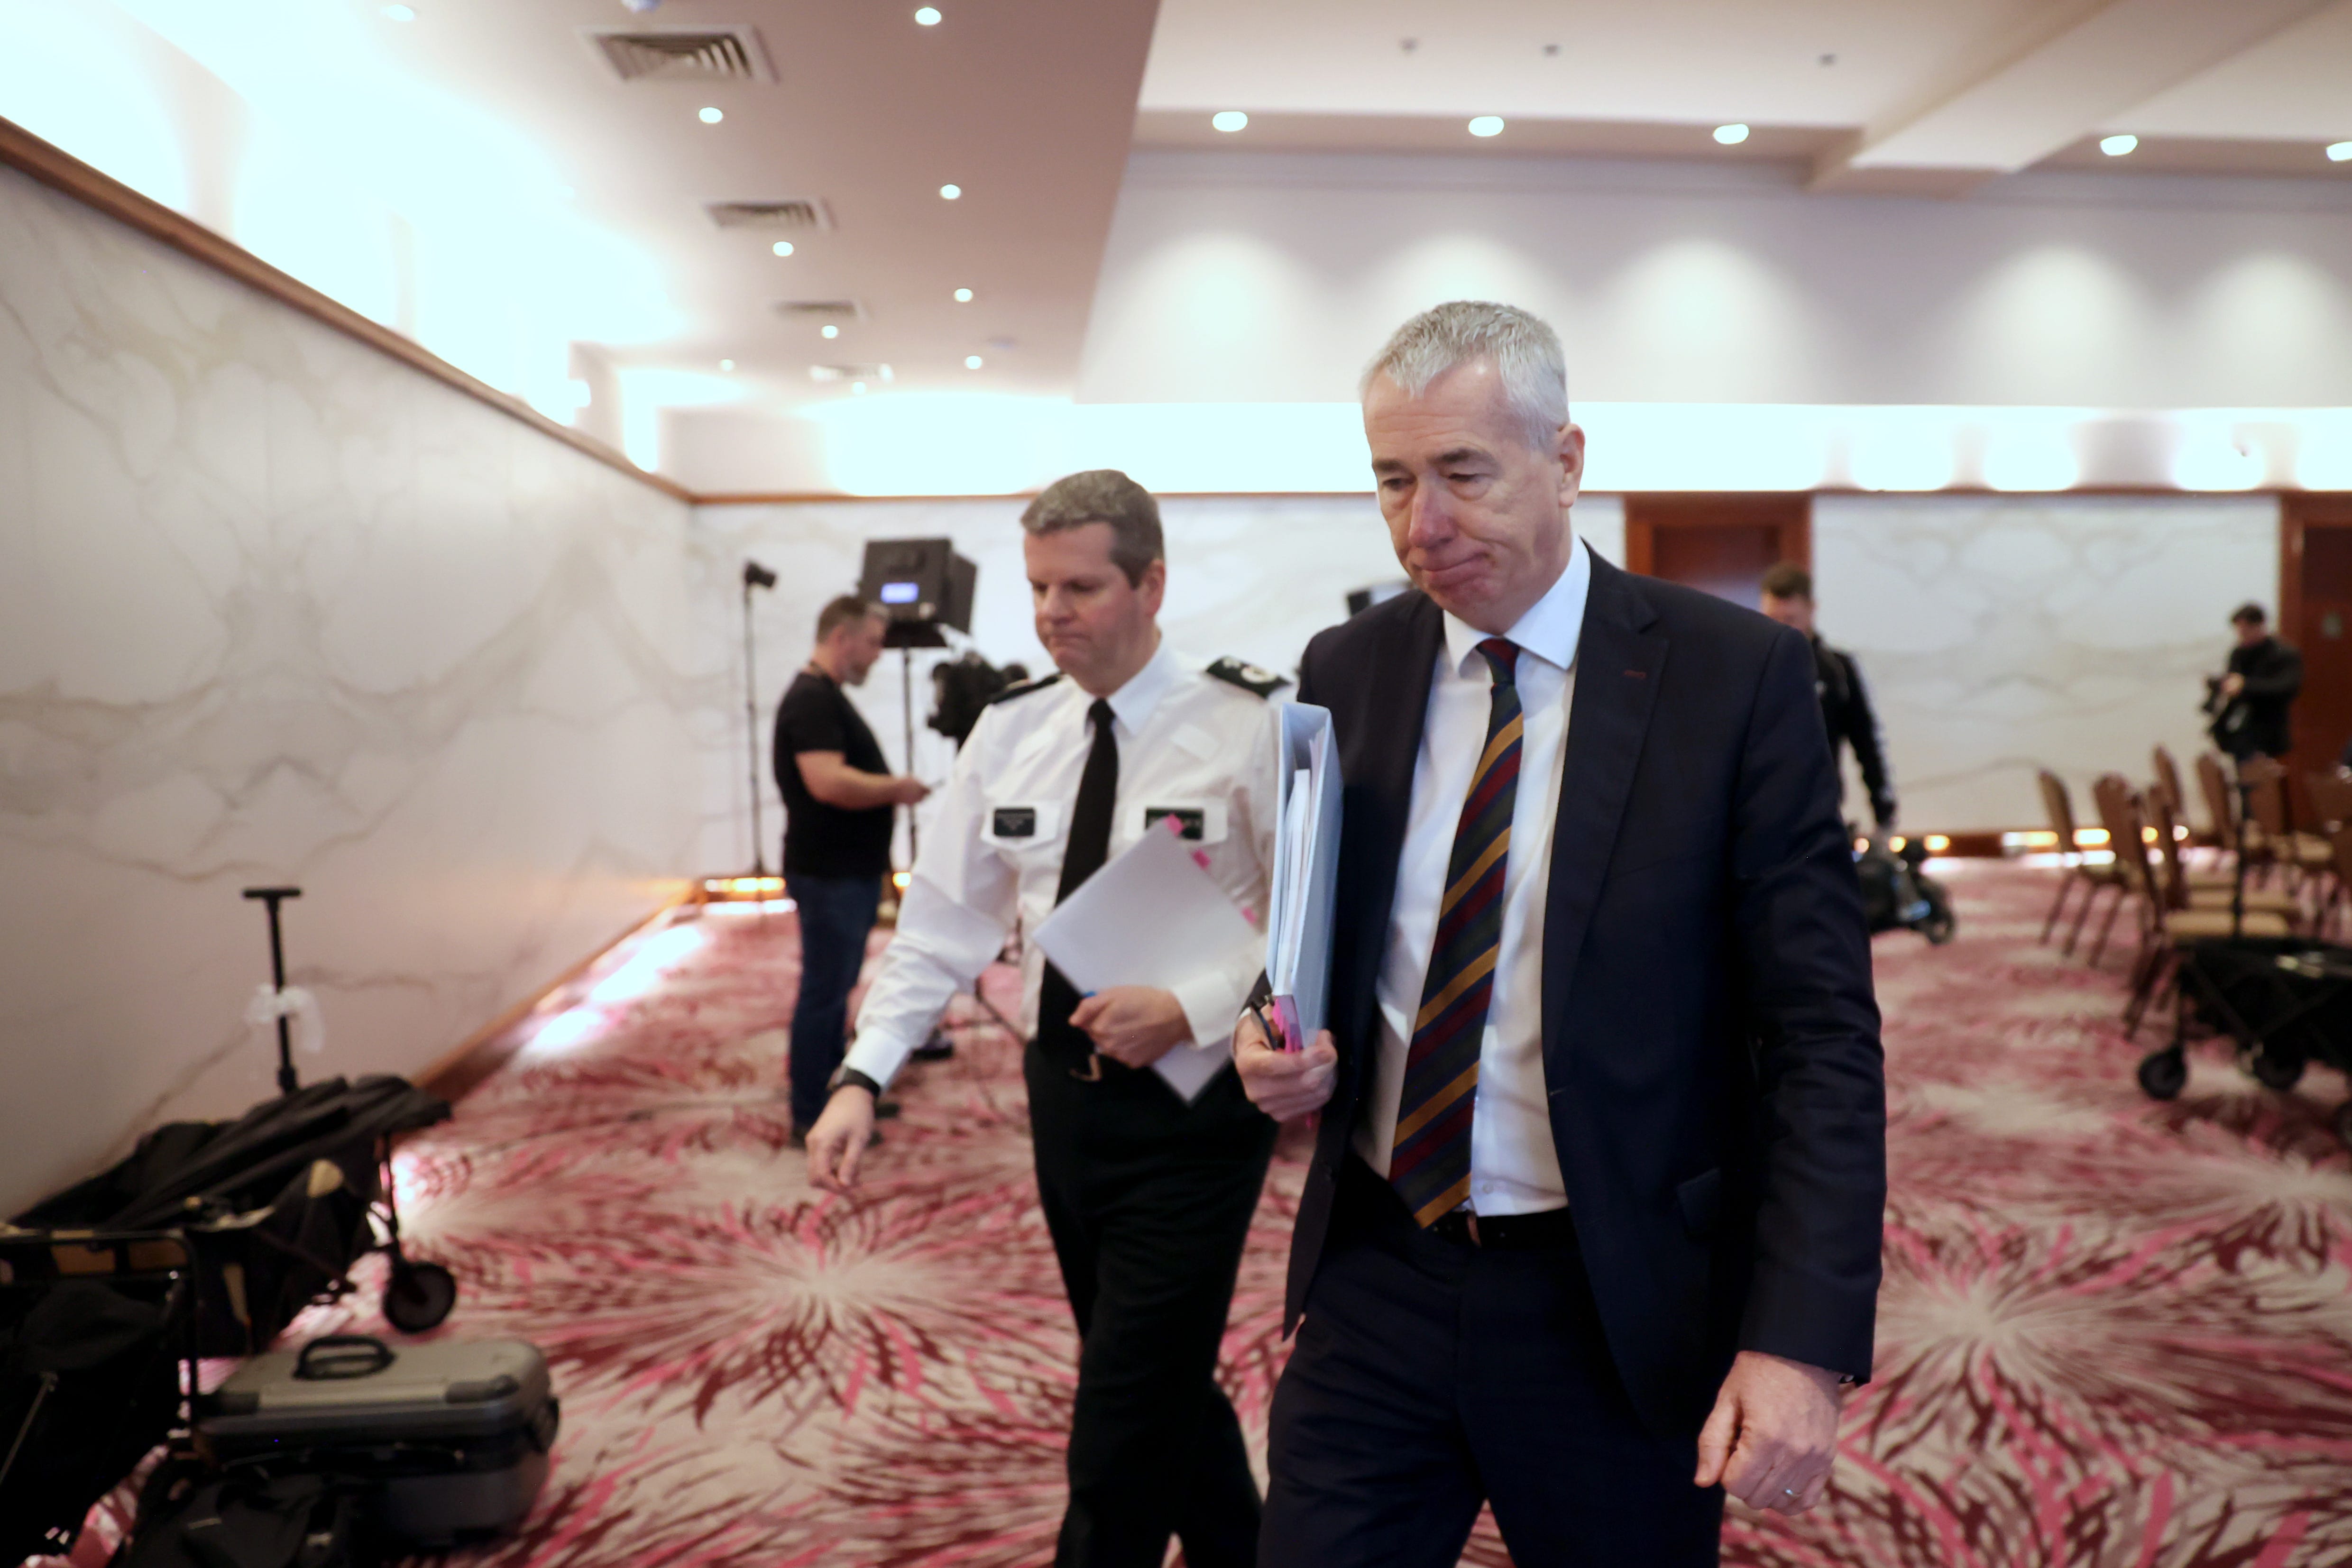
(1787, 598)
(840, 801)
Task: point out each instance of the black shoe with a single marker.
(939, 1048)
(885, 1110)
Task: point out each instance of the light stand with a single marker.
(273, 896)
(754, 575)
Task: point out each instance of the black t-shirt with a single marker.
(822, 840)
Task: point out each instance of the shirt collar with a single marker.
(1549, 630)
(1131, 704)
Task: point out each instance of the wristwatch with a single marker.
(845, 1075)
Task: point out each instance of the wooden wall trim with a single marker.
(27, 154)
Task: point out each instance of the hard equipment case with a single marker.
(455, 1432)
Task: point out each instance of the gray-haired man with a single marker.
(1592, 1226)
(1148, 1196)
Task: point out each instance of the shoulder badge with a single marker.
(1252, 678)
(1023, 689)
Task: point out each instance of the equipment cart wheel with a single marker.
(418, 1296)
(2279, 1073)
(2163, 1074)
(1939, 926)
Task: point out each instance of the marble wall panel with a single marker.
(276, 608)
(2002, 634)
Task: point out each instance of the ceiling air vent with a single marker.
(849, 372)
(820, 309)
(682, 54)
(795, 216)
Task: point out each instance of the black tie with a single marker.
(1089, 845)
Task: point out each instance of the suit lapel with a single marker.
(1618, 668)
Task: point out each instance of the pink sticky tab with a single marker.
(1200, 859)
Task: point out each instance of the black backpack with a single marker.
(191, 1517)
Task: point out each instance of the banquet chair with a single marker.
(2093, 879)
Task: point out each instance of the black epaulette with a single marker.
(1023, 689)
(1252, 678)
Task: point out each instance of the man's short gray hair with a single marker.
(1103, 495)
(1524, 351)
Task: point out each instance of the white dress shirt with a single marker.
(1188, 743)
(1514, 1165)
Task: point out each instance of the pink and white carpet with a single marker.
(2113, 1334)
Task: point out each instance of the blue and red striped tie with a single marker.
(1429, 1164)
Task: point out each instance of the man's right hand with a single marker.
(1282, 1083)
(909, 792)
(838, 1141)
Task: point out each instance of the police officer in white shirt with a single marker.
(1149, 1197)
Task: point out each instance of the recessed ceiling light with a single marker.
(828, 330)
(928, 16)
(1731, 135)
(2118, 146)
(972, 361)
(951, 193)
(963, 296)
(1229, 119)
(711, 116)
(858, 387)
(1486, 125)
(2339, 153)
(399, 14)
(783, 247)
(726, 365)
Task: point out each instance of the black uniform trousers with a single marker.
(1429, 1377)
(1150, 1200)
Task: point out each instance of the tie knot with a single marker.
(1100, 715)
(1502, 658)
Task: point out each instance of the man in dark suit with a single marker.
(1592, 1228)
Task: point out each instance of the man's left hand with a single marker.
(1135, 1025)
(1773, 1434)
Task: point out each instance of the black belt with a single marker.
(1553, 1231)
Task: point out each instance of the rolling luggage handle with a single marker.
(336, 1356)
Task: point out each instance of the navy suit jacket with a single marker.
(1710, 1041)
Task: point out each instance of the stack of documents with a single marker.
(1154, 916)
(1306, 875)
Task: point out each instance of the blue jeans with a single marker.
(836, 914)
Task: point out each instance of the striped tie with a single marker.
(1429, 1163)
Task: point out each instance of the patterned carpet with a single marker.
(2113, 1334)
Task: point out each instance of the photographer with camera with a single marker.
(840, 803)
(2249, 700)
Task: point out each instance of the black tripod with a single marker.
(274, 896)
(754, 575)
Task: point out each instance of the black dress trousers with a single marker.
(1150, 1200)
(1429, 1377)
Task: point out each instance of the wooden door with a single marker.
(2315, 615)
(1721, 544)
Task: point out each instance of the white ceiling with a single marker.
(1032, 106)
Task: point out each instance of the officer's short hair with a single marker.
(2248, 611)
(841, 612)
(1103, 495)
(1789, 580)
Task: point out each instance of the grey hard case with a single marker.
(457, 1432)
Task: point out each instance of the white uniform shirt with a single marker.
(1188, 743)
(1514, 1165)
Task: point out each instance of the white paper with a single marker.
(1305, 866)
(1153, 917)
